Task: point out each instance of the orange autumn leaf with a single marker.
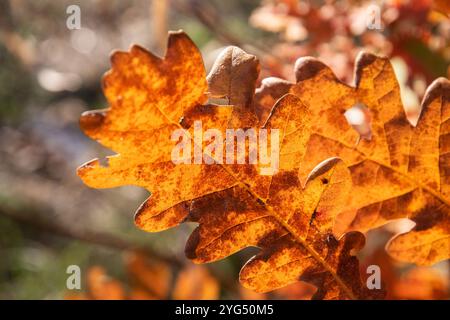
(293, 229)
(102, 287)
(148, 98)
(421, 284)
(296, 291)
(268, 93)
(235, 206)
(150, 278)
(398, 171)
(195, 283)
(247, 294)
(442, 6)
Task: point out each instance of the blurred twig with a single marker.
(12, 40)
(206, 14)
(98, 238)
(159, 14)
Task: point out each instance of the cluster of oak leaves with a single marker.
(333, 185)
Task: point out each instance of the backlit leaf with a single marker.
(400, 171)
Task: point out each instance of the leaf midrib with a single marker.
(280, 220)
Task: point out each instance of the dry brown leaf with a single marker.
(401, 171)
(234, 205)
(233, 76)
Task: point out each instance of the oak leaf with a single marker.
(268, 93)
(400, 171)
(293, 229)
(150, 98)
(235, 207)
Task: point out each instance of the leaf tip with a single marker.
(308, 67)
(92, 120)
(192, 244)
(323, 167)
(438, 88)
(363, 60)
(177, 42)
(82, 171)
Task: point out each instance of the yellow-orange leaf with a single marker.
(148, 98)
(235, 206)
(292, 227)
(399, 170)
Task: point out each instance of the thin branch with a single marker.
(99, 238)
(208, 16)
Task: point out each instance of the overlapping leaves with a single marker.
(289, 215)
(400, 171)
